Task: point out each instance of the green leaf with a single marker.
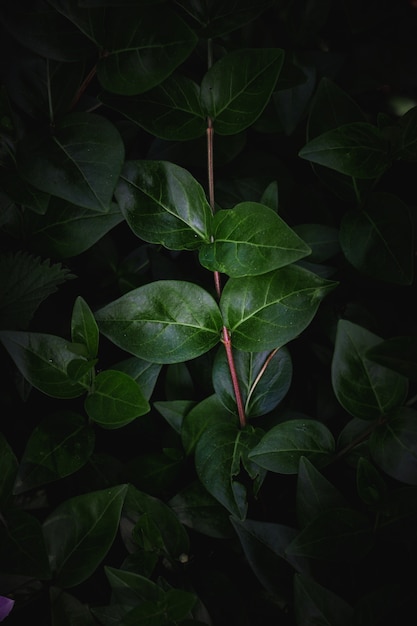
(264, 378)
(268, 311)
(174, 411)
(130, 589)
(22, 546)
(84, 329)
(364, 389)
(66, 609)
(166, 321)
(200, 417)
(170, 111)
(43, 359)
(59, 446)
(220, 456)
(323, 240)
(25, 282)
(80, 532)
(116, 400)
(8, 470)
(237, 88)
(393, 445)
(144, 373)
(282, 447)
(370, 484)
(357, 149)
(405, 144)
(142, 49)
(378, 240)
(397, 353)
(164, 204)
(80, 162)
(251, 239)
(315, 604)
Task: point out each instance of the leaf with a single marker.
(393, 445)
(144, 373)
(405, 144)
(315, 604)
(8, 470)
(282, 447)
(67, 609)
(43, 359)
(25, 282)
(199, 418)
(291, 104)
(378, 240)
(397, 353)
(265, 312)
(220, 453)
(357, 149)
(80, 532)
(22, 547)
(164, 204)
(364, 389)
(249, 240)
(264, 378)
(170, 111)
(84, 329)
(116, 400)
(57, 447)
(370, 484)
(323, 240)
(237, 88)
(80, 162)
(166, 321)
(174, 411)
(142, 49)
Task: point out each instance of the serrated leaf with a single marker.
(282, 447)
(265, 312)
(164, 204)
(366, 390)
(82, 525)
(237, 88)
(165, 321)
(249, 240)
(80, 162)
(116, 400)
(57, 447)
(25, 282)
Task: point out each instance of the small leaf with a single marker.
(370, 484)
(164, 204)
(165, 321)
(116, 400)
(265, 312)
(84, 329)
(8, 470)
(251, 239)
(405, 144)
(314, 604)
(199, 418)
(282, 447)
(398, 353)
(363, 388)
(22, 546)
(323, 240)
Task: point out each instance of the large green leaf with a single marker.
(43, 359)
(251, 239)
(357, 149)
(79, 162)
(166, 321)
(237, 88)
(282, 447)
(80, 532)
(393, 445)
(57, 447)
(268, 311)
(315, 604)
(164, 204)
(364, 388)
(378, 240)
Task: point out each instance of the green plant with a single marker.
(207, 314)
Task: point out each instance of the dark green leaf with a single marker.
(144, 373)
(234, 104)
(204, 414)
(282, 447)
(405, 145)
(323, 240)
(291, 104)
(398, 353)
(67, 610)
(80, 532)
(365, 389)
(370, 484)
(8, 469)
(164, 204)
(22, 546)
(314, 604)
(265, 312)
(251, 239)
(84, 329)
(174, 411)
(165, 321)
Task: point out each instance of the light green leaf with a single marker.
(166, 321)
(164, 204)
(251, 239)
(266, 312)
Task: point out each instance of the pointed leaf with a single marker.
(314, 604)
(80, 162)
(84, 327)
(236, 103)
(203, 415)
(268, 311)
(59, 446)
(116, 400)
(398, 353)
(164, 204)
(282, 447)
(405, 145)
(22, 547)
(144, 373)
(323, 240)
(251, 239)
(370, 484)
(365, 389)
(165, 321)
(80, 532)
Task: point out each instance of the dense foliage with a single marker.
(207, 316)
